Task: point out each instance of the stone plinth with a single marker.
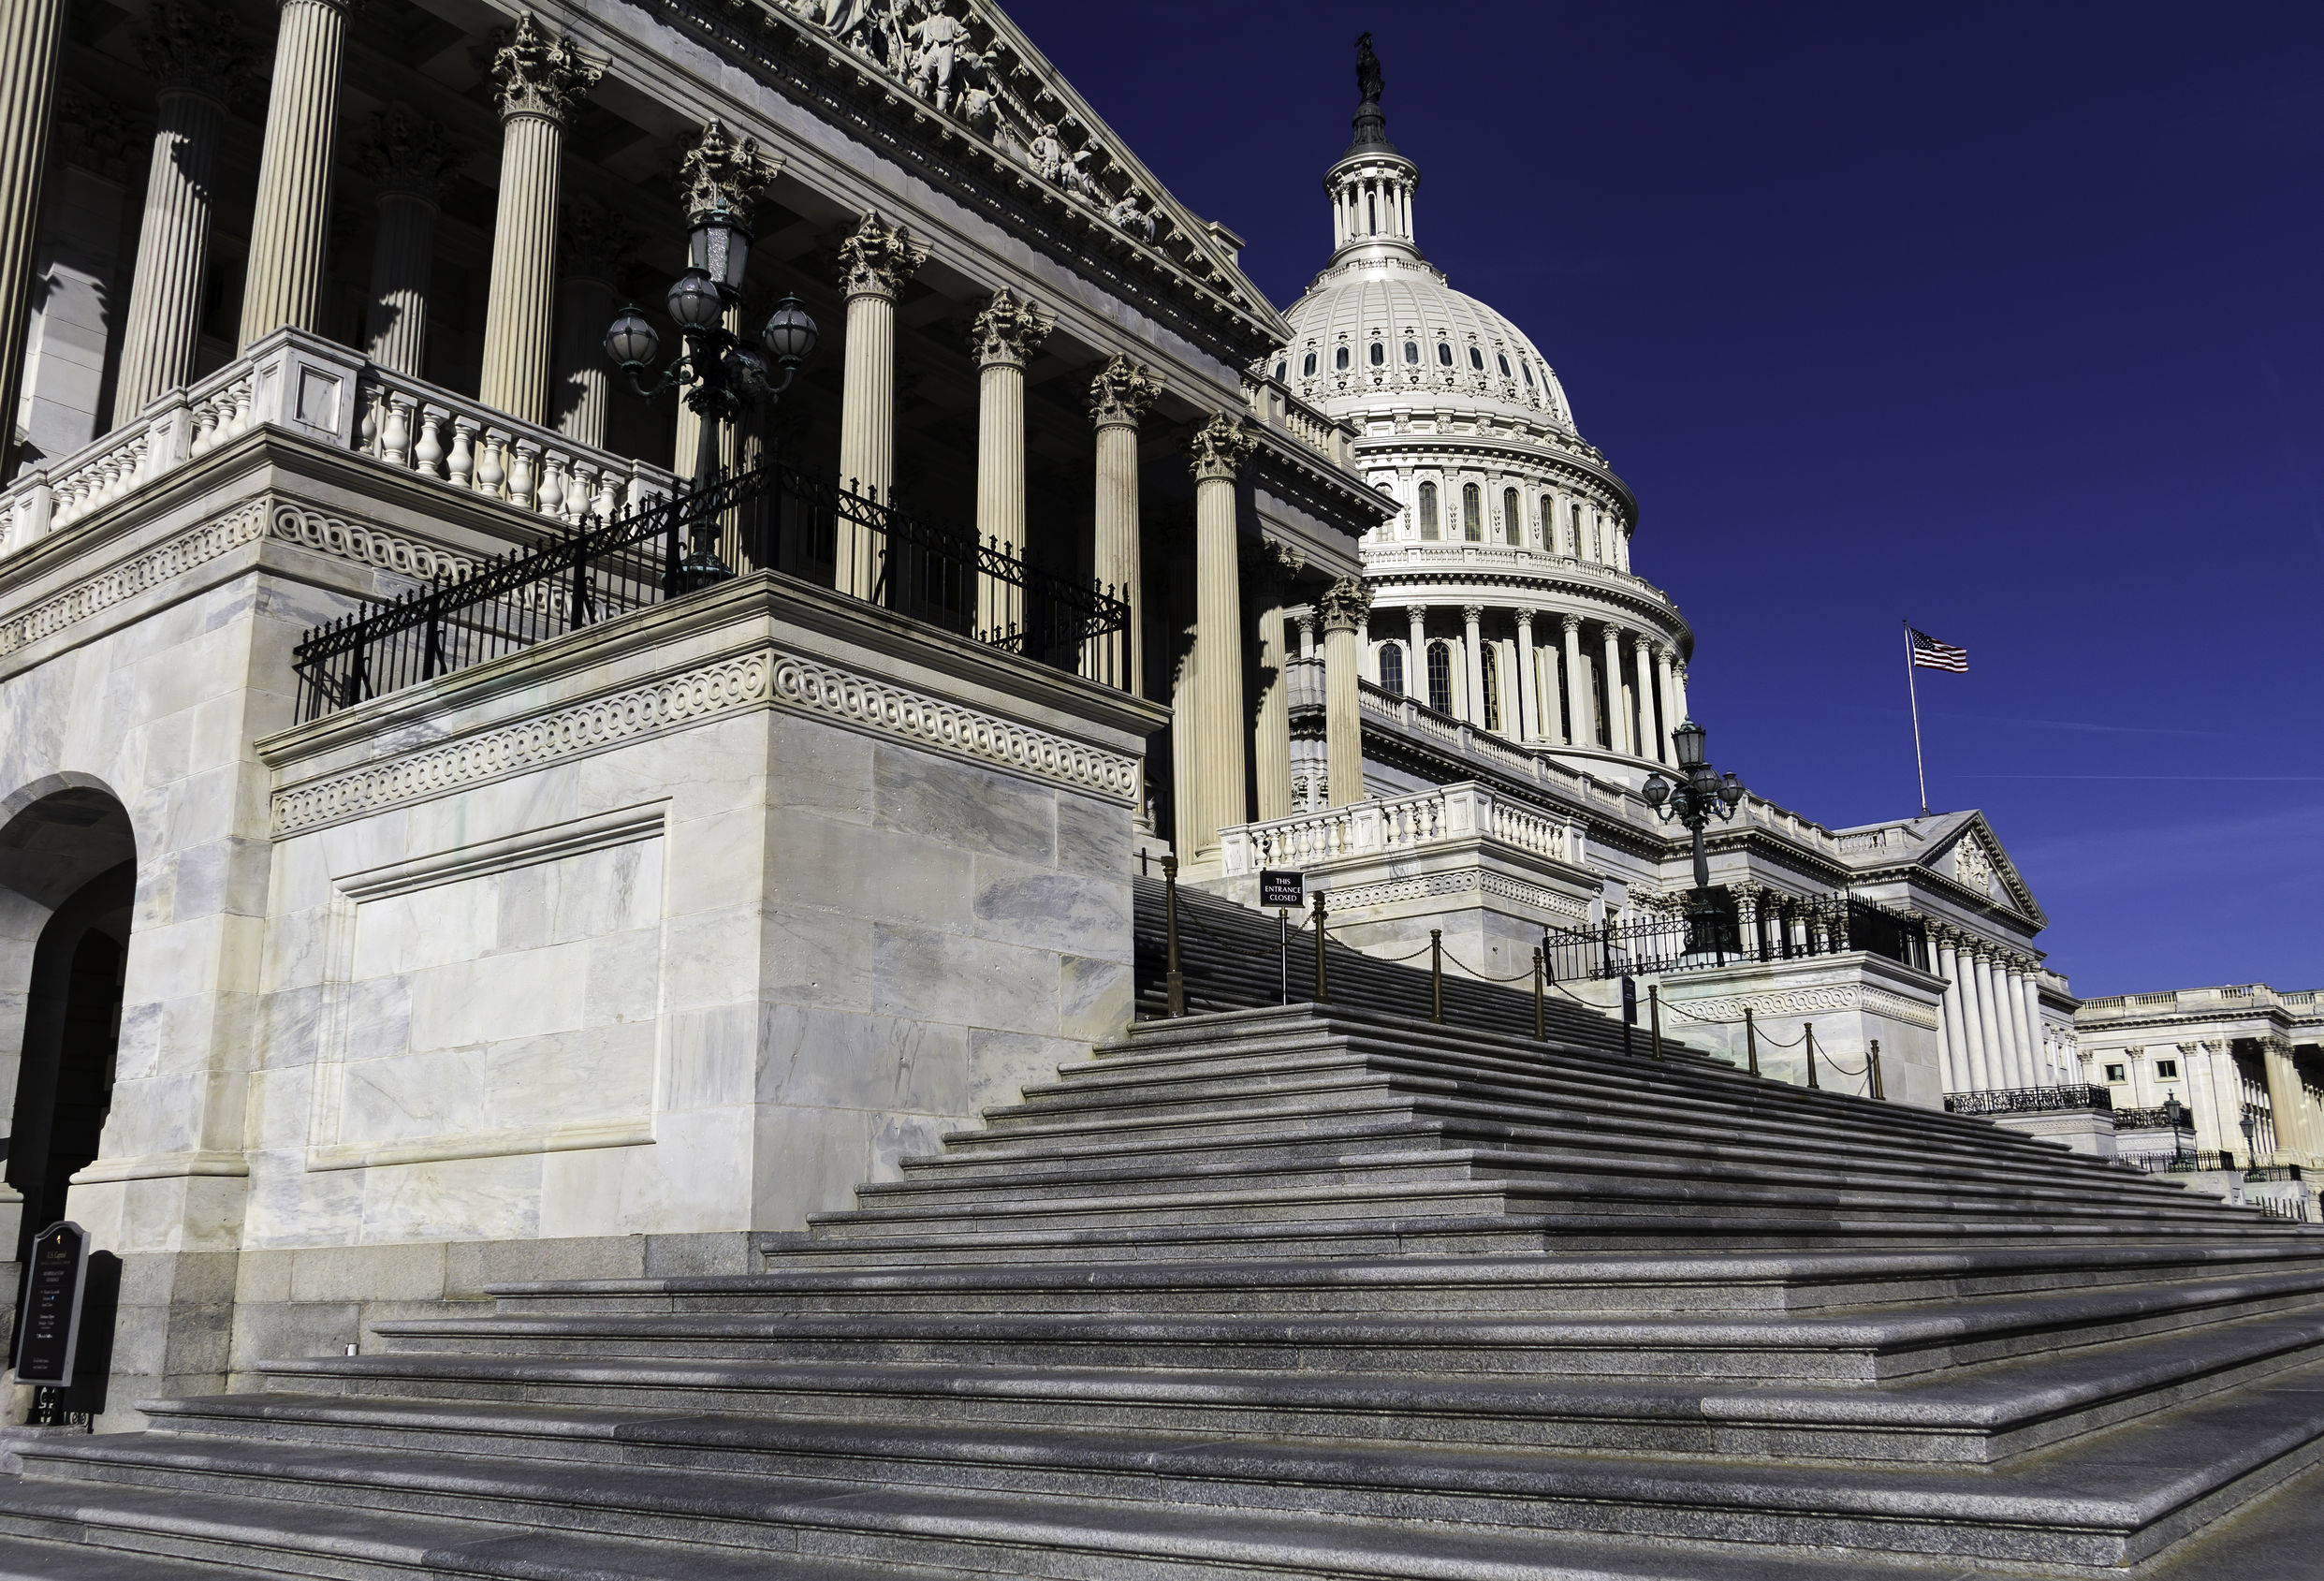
(2082, 1130)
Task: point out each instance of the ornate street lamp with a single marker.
(720, 369)
(1698, 796)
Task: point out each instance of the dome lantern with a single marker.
(1372, 185)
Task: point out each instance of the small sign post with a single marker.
(1286, 890)
(1630, 1009)
(51, 1337)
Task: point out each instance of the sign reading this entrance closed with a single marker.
(53, 1294)
(1283, 888)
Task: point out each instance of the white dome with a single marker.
(1432, 340)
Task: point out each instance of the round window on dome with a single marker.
(1444, 353)
(1307, 368)
(1379, 354)
(1412, 353)
(1476, 359)
(1503, 362)
(1339, 358)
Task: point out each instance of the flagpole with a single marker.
(1912, 690)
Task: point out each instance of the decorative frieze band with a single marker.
(1817, 1001)
(359, 541)
(767, 678)
(1456, 881)
(245, 523)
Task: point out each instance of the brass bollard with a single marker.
(1173, 981)
(1750, 1039)
(1436, 975)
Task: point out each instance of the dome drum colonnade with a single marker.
(533, 339)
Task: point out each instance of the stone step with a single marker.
(2107, 1502)
(1445, 1287)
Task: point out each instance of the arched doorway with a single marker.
(67, 888)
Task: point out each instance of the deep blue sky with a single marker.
(2009, 318)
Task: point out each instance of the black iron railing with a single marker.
(2156, 1120)
(1771, 930)
(771, 518)
(2186, 1162)
(2030, 1100)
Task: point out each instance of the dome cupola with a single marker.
(1372, 187)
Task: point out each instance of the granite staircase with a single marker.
(1317, 1292)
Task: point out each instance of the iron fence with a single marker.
(1770, 930)
(770, 518)
(2154, 1120)
(2030, 1100)
(2187, 1161)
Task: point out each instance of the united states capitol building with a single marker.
(648, 658)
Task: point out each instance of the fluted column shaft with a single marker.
(1618, 720)
(396, 323)
(2010, 1003)
(1210, 718)
(2026, 1011)
(163, 324)
(1997, 1061)
(31, 32)
(585, 305)
(1958, 1077)
(1678, 688)
(1006, 334)
(1473, 665)
(1976, 995)
(1346, 611)
(1271, 742)
(1577, 701)
(874, 264)
(284, 283)
(2284, 1098)
(1650, 730)
(1668, 697)
(518, 310)
(1416, 660)
(1528, 681)
(1120, 397)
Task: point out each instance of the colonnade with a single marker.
(1558, 694)
(1991, 1016)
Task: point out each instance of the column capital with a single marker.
(1472, 614)
(1008, 331)
(1122, 393)
(403, 155)
(1570, 623)
(878, 257)
(192, 51)
(1346, 605)
(1525, 621)
(1222, 448)
(536, 73)
(721, 172)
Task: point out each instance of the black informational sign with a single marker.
(1283, 888)
(52, 1298)
(1630, 1002)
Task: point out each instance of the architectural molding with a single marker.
(1816, 1000)
(245, 523)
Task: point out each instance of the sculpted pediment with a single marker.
(1974, 858)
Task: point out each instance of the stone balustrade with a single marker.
(1280, 409)
(1401, 825)
(324, 392)
(1466, 559)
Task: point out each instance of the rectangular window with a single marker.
(2113, 1073)
(2166, 1070)
(1472, 513)
(1429, 528)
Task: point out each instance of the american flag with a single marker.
(1929, 653)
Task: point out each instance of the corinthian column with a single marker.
(1208, 728)
(1577, 685)
(874, 263)
(1416, 660)
(284, 283)
(191, 54)
(1668, 697)
(1003, 338)
(1528, 681)
(1472, 619)
(1678, 690)
(30, 32)
(1988, 1024)
(1957, 1075)
(1270, 744)
(408, 165)
(1617, 717)
(594, 247)
(1120, 397)
(538, 79)
(1650, 734)
(1346, 608)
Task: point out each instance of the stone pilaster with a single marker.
(1209, 729)
(1678, 687)
(1667, 695)
(408, 163)
(1003, 338)
(31, 32)
(594, 247)
(1416, 660)
(1528, 681)
(874, 263)
(1347, 610)
(1617, 717)
(192, 54)
(538, 78)
(1120, 397)
(1650, 729)
(1472, 661)
(284, 282)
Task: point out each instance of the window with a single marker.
(1307, 368)
(1549, 524)
(1429, 511)
(1339, 358)
(1444, 353)
(1472, 513)
(1503, 362)
(1379, 354)
(1492, 688)
(2113, 1073)
(1411, 354)
(1371, 212)
(1526, 369)
(1392, 669)
(1281, 369)
(1476, 359)
(2166, 1070)
(1439, 678)
(1513, 523)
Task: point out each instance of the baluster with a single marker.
(464, 462)
(492, 468)
(367, 432)
(427, 456)
(521, 473)
(552, 494)
(581, 493)
(245, 397)
(395, 442)
(605, 505)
